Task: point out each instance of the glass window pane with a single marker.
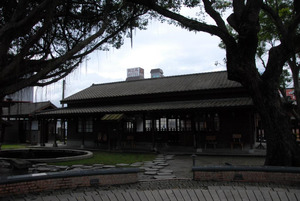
(157, 124)
(172, 124)
(182, 125)
(148, 125)
(188, 125)
(163, 124)
(89, 125)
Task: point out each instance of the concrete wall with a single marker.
(255, 174)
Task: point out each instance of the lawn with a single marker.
(13, 146)
(99, 157)
(109, 158)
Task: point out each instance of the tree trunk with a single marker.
(275, 113)
(282, 148)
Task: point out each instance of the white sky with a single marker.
(173, 49)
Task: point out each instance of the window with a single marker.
(163, 124)
(129, 126)
(188, 125)
(172, 124)
(202, 126)
(89, 125)
(85, 125)
(182, 125)
(148, 125)
(157, 125)
(34, 125)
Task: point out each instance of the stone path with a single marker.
(157, 169)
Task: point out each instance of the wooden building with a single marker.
(197, 111)
(23, 126)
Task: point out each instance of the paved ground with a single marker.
(177, 190)
(182, 164)
(183, 188)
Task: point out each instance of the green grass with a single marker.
(13, 146)
(109, 158)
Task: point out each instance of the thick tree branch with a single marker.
(43, 72)
(215, 15)
(189, 23)
(17, 26)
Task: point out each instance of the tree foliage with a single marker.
(241, 60)
(42, 41)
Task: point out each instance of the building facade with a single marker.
(195, 111)
(23, 126)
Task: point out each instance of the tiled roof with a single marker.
(176, 105)
(19, 109)
(191, 82)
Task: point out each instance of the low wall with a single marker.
(267, 174)
(23, 184)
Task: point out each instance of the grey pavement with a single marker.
(177, 190)
(182, 188)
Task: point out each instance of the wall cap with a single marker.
(65, 174)
(281, 169)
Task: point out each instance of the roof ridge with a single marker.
(165, 77)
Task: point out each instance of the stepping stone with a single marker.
(150, 173)
(76, 169)
(149, 164)
(163, 164)
(164, 173)
(122, 165)
(96, 168)
(43, 169)
(98, 165)
(30, 170)
(136, 164)
(166, 170)
(87, 167)
(159, 160)
(109, 166)
(4, 164)
(61, 167)
(39, 164)
(165, 177)
(142, 169)
(77, 166)
(151, 169)
(169, 157)
(157, 167)
(54, 170)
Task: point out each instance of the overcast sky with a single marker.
(173, 49)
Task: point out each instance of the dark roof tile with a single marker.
(27, 108)
(176, 105)
(191, 82)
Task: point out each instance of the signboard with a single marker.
(290, 93)
(135, 72)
